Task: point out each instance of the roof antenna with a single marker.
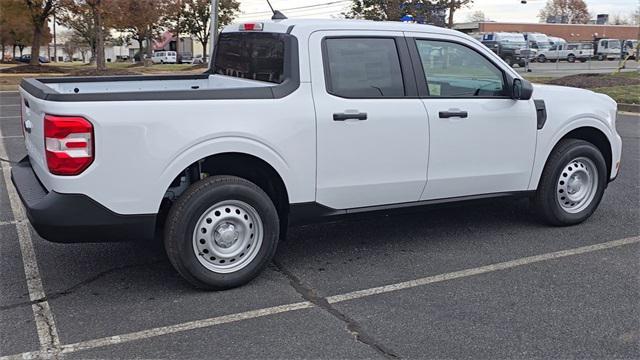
(277, 15)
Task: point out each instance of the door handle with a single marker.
(450, 114)
(347, 116)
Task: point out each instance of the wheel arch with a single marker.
(242, 157)
(592, 133)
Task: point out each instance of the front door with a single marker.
(482, 141)
(372, 138)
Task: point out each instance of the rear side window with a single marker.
(248, 55)
(363, 67)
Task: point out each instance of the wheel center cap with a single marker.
(225, 235)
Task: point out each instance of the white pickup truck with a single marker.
(299, 120)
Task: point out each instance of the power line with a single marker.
(301, 7)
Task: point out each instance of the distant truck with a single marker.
(581, 51)
(631, 48)
(557, 51)
(606, 49)
(537, 41)
(561, 50)
(509, 46)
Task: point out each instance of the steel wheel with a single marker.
(228, 236)
(577, 185)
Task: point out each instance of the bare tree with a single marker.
(476, 16)
(453, 6)
(196, 18)
(569, 11)
(425, 11)
(618, 19)
(39, 11)
(142, 19)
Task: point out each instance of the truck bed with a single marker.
(158, 87)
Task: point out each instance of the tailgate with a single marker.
(33, 128)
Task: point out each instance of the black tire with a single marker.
(546, 201)
(542, 59)
(187, 210)
(509, 60)
(571, 58)
(583, 60)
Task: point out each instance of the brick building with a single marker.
(569, 32)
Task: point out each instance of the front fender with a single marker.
(549, 137)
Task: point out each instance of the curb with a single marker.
(634, 108)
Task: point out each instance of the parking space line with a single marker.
(480, 270)
(45, 324)
(11, 137)
(12, 222)
(253, 314)
(10, 117)
(10, 105)
(191, 325)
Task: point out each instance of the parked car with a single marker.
(185, 58)
(509, 46)
(197, 60)
(164, 57)
(27, 59)
(580, 51)
(300, 120)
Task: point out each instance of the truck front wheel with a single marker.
(572, 183)
(221, 232)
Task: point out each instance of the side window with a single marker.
(363, 67)
(454, 70)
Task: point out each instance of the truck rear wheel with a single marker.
(571, 58)
(221, 232)
(542, 59)
(509, 60)
(572, 183)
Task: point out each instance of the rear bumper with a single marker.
(74, 218)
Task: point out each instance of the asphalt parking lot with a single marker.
(485, 280)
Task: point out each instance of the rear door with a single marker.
(372, 130)
(481, 140)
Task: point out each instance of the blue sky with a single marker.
(498, 10)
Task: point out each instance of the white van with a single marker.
(164, 57)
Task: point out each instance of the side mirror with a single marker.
(521, 89)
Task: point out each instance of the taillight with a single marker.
(68, 144)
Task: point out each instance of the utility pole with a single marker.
(214, 27)
(55, 43)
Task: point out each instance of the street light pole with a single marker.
(55, 41)
(214, 27)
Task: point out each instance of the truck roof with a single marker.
(310, 25)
